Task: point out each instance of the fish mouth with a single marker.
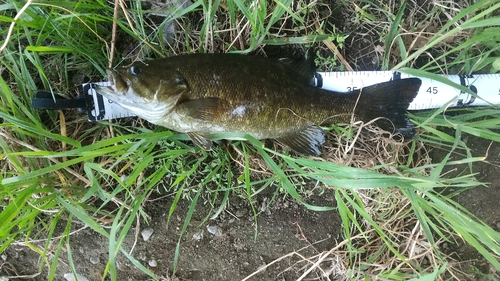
(116, 80)
(116, 84)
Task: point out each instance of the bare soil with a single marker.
(482, 201)
(230, 247)
(235, 245)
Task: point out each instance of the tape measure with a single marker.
(432, 94)
(104, 108)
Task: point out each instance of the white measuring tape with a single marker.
(432, 94)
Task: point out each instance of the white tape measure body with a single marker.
(104, 108)
(432, 94)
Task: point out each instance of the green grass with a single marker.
(52, 170)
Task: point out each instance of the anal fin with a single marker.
(201, 139)
(306, 141)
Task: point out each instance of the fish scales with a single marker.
(203, 94)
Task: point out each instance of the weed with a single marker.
(58, 170)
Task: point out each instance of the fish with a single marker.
(205, 94)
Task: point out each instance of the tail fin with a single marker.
(389, 100)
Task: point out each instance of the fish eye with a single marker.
(134, 70)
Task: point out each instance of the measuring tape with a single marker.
(432, 94)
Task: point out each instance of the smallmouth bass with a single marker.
(203, 94)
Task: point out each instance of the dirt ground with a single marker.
(233, 246)
(482, 201)
(228, 248)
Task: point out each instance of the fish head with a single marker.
(148, 92)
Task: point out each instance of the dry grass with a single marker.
(389, 208)
(348, 146)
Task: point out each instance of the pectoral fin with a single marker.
(306, 141)
(201, 139)
(205, 109)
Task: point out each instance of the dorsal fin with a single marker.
(303, 66)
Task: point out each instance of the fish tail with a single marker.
(389, 103)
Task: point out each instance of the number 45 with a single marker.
(432, 90)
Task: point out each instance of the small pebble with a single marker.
(153, 263)
(4, 257)
(70, 277)
(94, 259)
(212, 229)
(146, 233)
